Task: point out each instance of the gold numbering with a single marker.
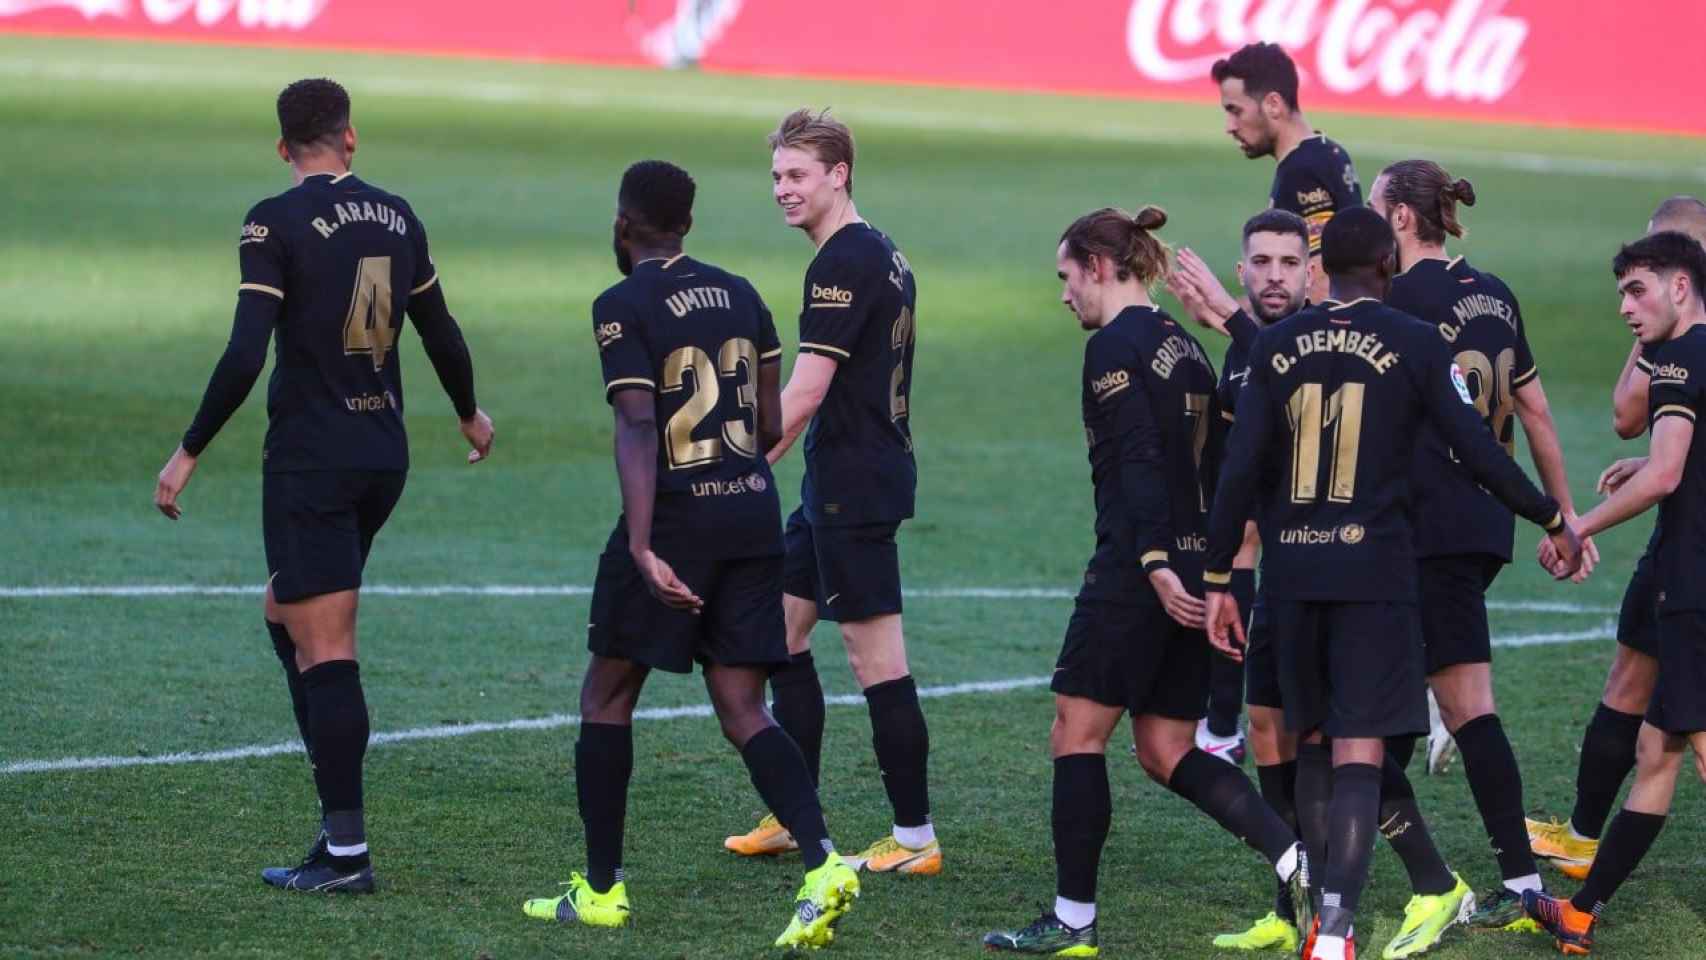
(1196, 406)
(901, 337)
(1490, 388)
(1311, 414)
(367, 328)
(684, 451)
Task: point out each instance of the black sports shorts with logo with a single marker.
(1638, 621)
(852, 572)
(1452, 595)
(1350, 669)
(1133, 656)
(740, 625)
(1679, 700)
(318, 526)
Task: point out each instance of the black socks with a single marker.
(1314, 794)
(1083, 809)
(1279, 789)
(286, 650)
(1629, 838)
(604, 762)
(1490, 766)
(1221, 790)
(779, 773)
(1608, 754)
(797, 705)
(1350, 845)
(1407, 833)
(902, 743)
(337, 727)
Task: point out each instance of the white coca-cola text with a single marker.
(251, 14)
(1467, 50)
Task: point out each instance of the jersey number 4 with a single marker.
(367, 328)
(684, 451)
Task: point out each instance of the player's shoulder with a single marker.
(1484, 281)
(857, 246)
(1682, 359)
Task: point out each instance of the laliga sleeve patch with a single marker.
(1461, 384)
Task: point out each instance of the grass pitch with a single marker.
(125, 174)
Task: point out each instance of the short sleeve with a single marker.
(1112, 376)
(1525, 370)
(1675, 389)
(837, 303)
(260, 253)
(622, 351)
(1303, 191)
(425, 273)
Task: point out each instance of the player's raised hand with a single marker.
(664, 584)
(1195, 271)
(1617, 474)
(1192, 300)
(1176, 600)
(479, 432)
(174, 477)
(1225, 625)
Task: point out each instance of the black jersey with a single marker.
(859, 311)
(1678, 389)
(695, 335)
(1479, 319)
(344, 257)
(1315, 181)
(1335, 396)
(1149, 405)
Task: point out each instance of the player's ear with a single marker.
(283, 150)
(687, 225)
(1273, 105)
(349, 139)
(838, 175)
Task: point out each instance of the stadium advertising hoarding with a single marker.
(1571, 62)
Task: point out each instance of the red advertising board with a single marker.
(1575, 62)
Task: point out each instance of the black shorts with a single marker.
(1679, 701)
(1638, 621)
(1261, 662)
(1350, 669)
(1135, 657)
(1452, 595)
(851, 572)
(319, 525)
(740, 625)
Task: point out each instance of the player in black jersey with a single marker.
(1335, 395)
(1608, 745)
(852, 383)
(693, 569)
(1135, 643)
(1662, 283)
(1274, 271)
(1463, 535)
(331, 265)
(1315, 177)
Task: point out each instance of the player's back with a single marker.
(1341, 382)
(344, 257)
(696, 335)
(860, 298)
(1480, 322)
(1143, 349)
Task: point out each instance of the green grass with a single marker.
(125, 176)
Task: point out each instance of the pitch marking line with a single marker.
(557, 721)
(572, 590)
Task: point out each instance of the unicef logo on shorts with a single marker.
(756, 483)
(1351, 533)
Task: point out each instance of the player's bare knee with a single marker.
(1629, 684)
(1654, 755)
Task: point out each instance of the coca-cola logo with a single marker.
(250, 14)
(1452, 49)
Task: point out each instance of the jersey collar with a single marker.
(1335, 305)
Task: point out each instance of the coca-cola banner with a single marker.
(1578, 62)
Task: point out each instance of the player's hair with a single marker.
(1264, 67)
(659, 196)
(827, 138)
(1431, 193)
(1277, 221)
(1683, 214)
(312, 113)
(1127, 240)
(1665, 252)
(1356, 238)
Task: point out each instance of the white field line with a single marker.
(553, 722)
(683, 100)
(71, 591)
